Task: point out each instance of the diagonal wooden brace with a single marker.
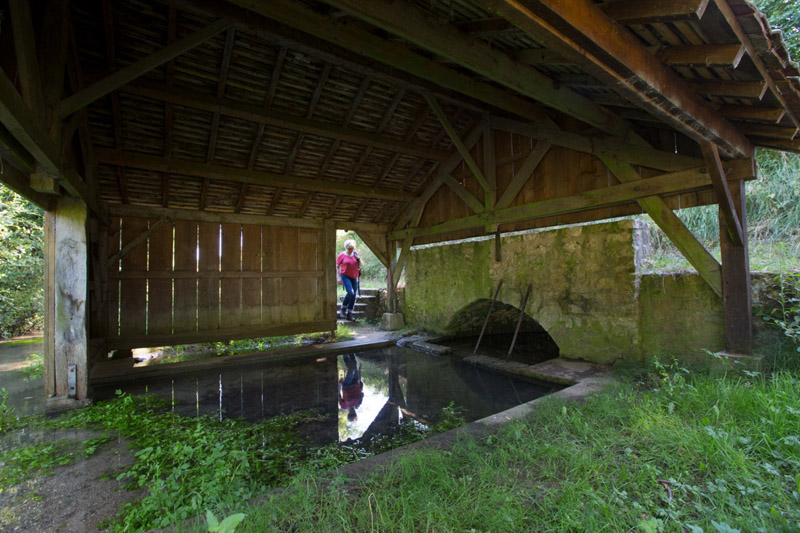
(717, 173)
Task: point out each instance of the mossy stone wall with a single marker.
(583, 278)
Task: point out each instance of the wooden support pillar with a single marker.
(66, 347)
(329, 269)
(391, 287)
(736, 293)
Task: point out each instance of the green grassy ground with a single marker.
(663, 450)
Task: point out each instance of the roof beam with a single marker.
(735, 89)
(653, 11)
(745, 112)
(203, 170)
(730, 17)
(85, 97)
(675, 182)
(30, 80)
(17, 117)
(580, 31)
(280, 119)
(418, 27)
(706, 55)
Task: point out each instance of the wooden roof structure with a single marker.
(315, 110)
(410, 121)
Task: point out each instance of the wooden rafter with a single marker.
(223, 80)
(273, 86)
(707, 55)
(120, 78)
(523, 174)
(367, 45)
(421, 29)
(279, 119)
(474, 204)
(735, 89)
(731, 19)
(238, 175)
(30, 79)
(655, 11)
(580, 31)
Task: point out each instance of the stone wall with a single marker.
(583, 278)
(587, 292)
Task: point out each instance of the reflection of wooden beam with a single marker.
(724, 199)
(653, 11)
(675, 182)
(202, 170)
(85, 97)
(707, 267)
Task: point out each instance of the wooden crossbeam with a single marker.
(451, 132)
(541, 56)
(418, 27)
(739, 89)
(18, 182)
(219, 172)
(580, 31)
(445, 167)
(139, 239)
(616, 148)
(706, 265)
(21, 123)
(747, 112)
(523, 174)
(468, 198)
(280, 119)
(400, 263)
(707, 55)
(671, 183)
(376, 242)
(654, 11)
(726, 207)
(120, 78)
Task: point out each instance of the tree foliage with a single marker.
(21, 264)
(784, 15)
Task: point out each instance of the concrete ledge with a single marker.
(392, 322)
(60, 404)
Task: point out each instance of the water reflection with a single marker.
(358, 395)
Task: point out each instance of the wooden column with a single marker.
(328, 266)
(736, 292)
(66, 351)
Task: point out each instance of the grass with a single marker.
(662, 450)
(19, 342)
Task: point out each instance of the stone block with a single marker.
(392, 322)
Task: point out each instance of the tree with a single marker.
(21, 264)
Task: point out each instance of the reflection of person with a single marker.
(351, 391)
(349, 265)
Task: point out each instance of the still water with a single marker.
(362, 394)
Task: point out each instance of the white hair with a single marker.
(349, 242)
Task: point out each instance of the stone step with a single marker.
(370, 292)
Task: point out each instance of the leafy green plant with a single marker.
(784, 310)
(7, 417)
(43, 457)
(34, 366)
(228, 525)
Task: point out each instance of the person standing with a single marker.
(349, 266)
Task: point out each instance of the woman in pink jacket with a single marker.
(349, 267)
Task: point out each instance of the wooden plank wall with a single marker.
(199, 281)
(562, 172)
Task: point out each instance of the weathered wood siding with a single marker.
(198, 281)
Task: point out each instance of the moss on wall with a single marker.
(582, 278)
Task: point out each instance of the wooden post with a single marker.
(328, 266)
(736, 279)
(66, 284)
(391, 287)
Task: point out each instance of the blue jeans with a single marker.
(349, 300)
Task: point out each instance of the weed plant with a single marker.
(188, 466)
(664, 450)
